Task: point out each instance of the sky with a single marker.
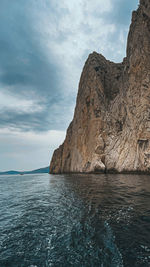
(43, 47)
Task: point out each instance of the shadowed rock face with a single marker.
(111, 125)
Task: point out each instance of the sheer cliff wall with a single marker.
(110, 130)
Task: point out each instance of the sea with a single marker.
(76, 220)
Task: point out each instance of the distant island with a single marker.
(41, 170)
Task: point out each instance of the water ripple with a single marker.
(74, 220)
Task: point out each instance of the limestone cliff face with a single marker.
(111, 125)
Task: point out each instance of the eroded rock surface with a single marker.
(111, 125)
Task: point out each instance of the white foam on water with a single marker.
(110, 245)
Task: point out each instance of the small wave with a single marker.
(111, 247)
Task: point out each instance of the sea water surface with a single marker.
(75, 220)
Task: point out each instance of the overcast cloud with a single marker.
(43, 47)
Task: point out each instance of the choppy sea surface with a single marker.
(75, 220)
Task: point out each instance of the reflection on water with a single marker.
(75, 220)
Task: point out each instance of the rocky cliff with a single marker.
(110, 130)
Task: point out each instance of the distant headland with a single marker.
(41, 170)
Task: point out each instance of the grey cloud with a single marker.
(121, 14)
(47, 119)
(25, 68)
(27, 64)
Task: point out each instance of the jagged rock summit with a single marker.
(110, 130)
